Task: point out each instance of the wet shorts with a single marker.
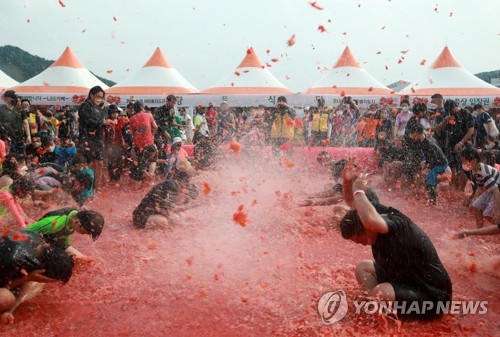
(485, 203)
(406, 294)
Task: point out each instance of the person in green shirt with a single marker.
(58, 226)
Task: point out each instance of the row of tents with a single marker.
(67, 81)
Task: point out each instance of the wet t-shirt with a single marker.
(406, 256)
(17, 254)
(159, 200)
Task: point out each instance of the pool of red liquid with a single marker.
(206, 275)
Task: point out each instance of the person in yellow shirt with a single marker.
(282, 124)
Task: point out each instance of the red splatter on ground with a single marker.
(285, 147)
(270, 275)
(240, 217)
(288, 164)
(206, 188)
(235, 146)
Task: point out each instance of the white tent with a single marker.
(348, 78)
(449, 78)
(250, 84)
(66, 81)
(152, 83)
(6, 81)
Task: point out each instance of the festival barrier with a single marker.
(305, 156)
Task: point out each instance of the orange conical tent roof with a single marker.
(66, 75)
(251, 60)
(250, 78)
(158, 59)
(156, 77)
(68, 59)
(449, 78)
(349, 78)
(347, 59)
(446, 59)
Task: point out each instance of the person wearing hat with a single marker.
(281, 128)
(226, 123)
(165, 119)
(14, 124)
(174, 152)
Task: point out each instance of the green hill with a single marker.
(21, 65)
(488, 75)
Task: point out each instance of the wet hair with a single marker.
(404, 101)
(321, 156)
(25, 100)
(351, 224)
(112, 109)
(80, 160)
(138, 106)
(450, 105)
(488, 157)
(149, 150)
(84, 179)
(419, 107)
(470, 154)
(282, 99)
(417, 127)
(171, 98)
(23, 184)
(95, 90)
(181, 176)
(321, 101)
(11, 163)
(130, 106)
(338, 167)
(92, 222)
(437, 96)
(57, 263)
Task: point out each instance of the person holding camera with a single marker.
(282, 125)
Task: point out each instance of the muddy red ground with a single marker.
(207, 276)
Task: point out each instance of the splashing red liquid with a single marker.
(204, 275)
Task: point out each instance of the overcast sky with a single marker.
(206, 39)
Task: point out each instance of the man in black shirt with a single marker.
(157, 206)
(458, 128)
(26, 263)
(434, 158)
(14, 124)
(407, 267)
